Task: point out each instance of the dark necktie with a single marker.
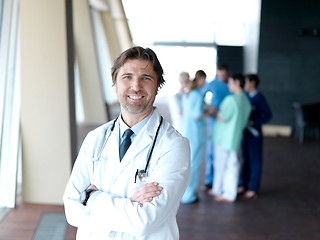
(125, 143)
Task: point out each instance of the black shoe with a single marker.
(206, 187)
(195, 201)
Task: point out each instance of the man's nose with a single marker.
(136, 84)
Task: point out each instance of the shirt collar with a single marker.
(253, 93)
(136, 128)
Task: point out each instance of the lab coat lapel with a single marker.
(112, 148)
(142, 142)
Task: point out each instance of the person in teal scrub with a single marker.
(233, 117)
(193, 127)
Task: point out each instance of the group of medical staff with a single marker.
(197, 124)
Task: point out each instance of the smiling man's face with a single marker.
(136, 87)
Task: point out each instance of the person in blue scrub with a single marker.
(193, 127)
(252, 151)
(218, 89)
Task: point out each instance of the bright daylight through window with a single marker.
(9, 102)
(184, 34)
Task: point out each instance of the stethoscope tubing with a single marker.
(151, 151)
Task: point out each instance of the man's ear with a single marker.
(115, 87)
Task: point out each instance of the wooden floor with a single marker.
(21, 223)
(288, 207)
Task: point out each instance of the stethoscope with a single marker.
(141, 174)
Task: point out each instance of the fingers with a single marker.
(152, 194)
(151, 190)
(146, 200)
(152, 187)
(146, 193)
(92, 187)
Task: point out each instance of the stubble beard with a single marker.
(136, 108)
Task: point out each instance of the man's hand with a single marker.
(92, 187)
(146, 193)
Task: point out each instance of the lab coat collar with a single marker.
(144, 137)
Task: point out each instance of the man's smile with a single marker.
(135, 97)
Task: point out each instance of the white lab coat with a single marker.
(109, 213)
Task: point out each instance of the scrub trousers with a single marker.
(208, 177)
(209, 171)
(190, 194)
(226, 174)
(251, 169)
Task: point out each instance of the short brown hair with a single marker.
(253, 78)
(138, 53)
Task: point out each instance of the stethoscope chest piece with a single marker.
(142, 175)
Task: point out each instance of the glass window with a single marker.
(189, 59)
(1, 13)
(184, 33)
(105, 62)
(9, 102)
(205, 21)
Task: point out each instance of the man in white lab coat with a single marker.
(110, 197)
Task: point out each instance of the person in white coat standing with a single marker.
(135, 193)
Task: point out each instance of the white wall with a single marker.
(46, 147)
